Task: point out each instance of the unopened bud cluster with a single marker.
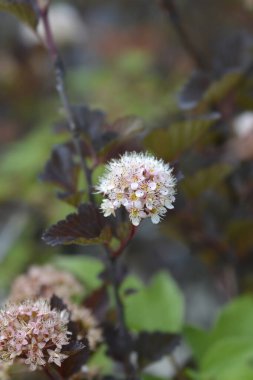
(142, 184)
(87, 325)
(34, 332)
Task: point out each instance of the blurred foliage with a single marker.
(142, 66)
(86, 269)
(127, 85)
(23, 9)
(225, 352)
(146, 311)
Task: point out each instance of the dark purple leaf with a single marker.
(119, 342)
(152, 346)
(57, 303)
(127, 137)
(194, 89)
(85, 227)
(78, 353)
(98, 302)
(61, 169)
(89, 122)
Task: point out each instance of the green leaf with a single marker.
(205, 179)
(228, 359)
(235, 320)
(172, 142)
(157, 306)
(198, 339)
(86, 269)
(101, 361)
(152, 377)
(226, 352)
(24, 10)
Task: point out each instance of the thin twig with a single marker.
(123, 330)
(175, 19)
(111, 263)
(51, 373)
(125, 242)
(47, 372)
(60, 86)
(112, 257)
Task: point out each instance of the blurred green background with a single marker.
(128, 58)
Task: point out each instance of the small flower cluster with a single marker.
(44, 281)
(88, 326)
(141, 183)
(33, 332)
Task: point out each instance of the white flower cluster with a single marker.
(141, 183)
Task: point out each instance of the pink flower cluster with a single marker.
(141, 183)
(45, 281)
(33, 332)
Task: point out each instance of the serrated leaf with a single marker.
(61, 169)
(119, 343)
(24, 10)
(203, 91)
(146, 311)
(205, 179)
(90, 122)
(170, 143)
(85, 227)
(78, 353)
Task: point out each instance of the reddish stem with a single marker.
(171, 8)
(51, 373)
(125, 242)
(60, 86)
